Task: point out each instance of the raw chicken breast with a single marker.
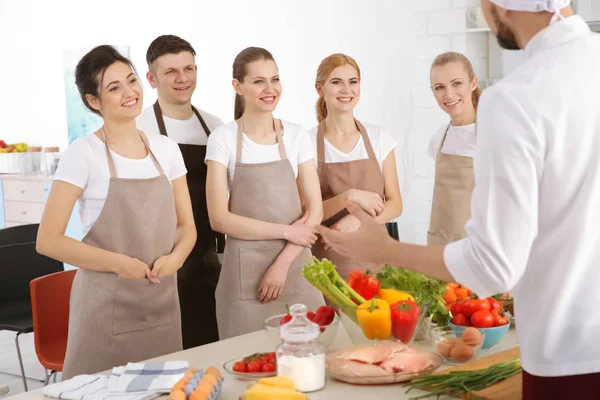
(407, 361)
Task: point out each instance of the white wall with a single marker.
(392, 40)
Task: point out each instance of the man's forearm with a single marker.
(427, 260)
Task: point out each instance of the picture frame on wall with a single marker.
(80, 120)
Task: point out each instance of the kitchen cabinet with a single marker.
(22, 201)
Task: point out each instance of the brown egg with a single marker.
(177, 395)
(215, 372)
(201, 393)
(471, 336)
(461, 352)
(444, 349)
(210, 379)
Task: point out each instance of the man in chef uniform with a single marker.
(535, 224)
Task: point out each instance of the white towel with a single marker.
(148, 377)
(91, 387)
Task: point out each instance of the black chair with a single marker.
(20, 263)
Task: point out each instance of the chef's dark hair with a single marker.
(451, 56)
(245, 57)
(167, 44)
(90, 70)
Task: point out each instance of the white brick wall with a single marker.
(440, 26)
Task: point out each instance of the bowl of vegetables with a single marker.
(324, 316)
(457, 347)
(486, 315)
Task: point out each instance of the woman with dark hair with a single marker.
(261, 173)
(138, 226)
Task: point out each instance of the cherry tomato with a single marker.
(501, 321)
(268, 368)
(254, 367)
(269, 357)
(482, 319)
(467, 307)
(457, 308)
(461, 320)
(480, 305)
(494, 304)
(239, 366)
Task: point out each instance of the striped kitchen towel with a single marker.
(91, 387)
(147, 377)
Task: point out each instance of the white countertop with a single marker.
(33, 177)
(216, 354)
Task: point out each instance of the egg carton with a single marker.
(16, 163)
(200, 386)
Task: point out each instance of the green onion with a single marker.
(457, 383)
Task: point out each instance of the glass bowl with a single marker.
(246, 376)
(403, 330)
(328, 332)
(493, 335)
(456, 347)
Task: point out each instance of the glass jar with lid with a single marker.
(300, 357)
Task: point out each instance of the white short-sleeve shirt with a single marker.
(222, 145)
(382, 142)
(189, 131)
(85, 165)
(460, 141)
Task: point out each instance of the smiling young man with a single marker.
(534, 211)
(172, 71)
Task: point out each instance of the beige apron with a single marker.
(335, 179)
(112, 320)
(453, 188)
(265, 192)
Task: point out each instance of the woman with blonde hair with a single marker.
(456, 90)
(260, 173)
(356, 161)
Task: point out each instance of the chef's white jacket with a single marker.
(535, 225)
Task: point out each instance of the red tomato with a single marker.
(270, 357)
(239, 366)
(480, 305)
(461, 320)
(501, 321)
(457, 308)
(494, 304)
(254, 367)
(467, 307)
(482, 319)
(268, 368)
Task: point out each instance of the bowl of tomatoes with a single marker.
(253, 367)
(487, 315)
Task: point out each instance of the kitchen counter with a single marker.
(33, 177)
(216, 354)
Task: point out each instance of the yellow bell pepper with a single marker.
(392, 296)
(375, 319)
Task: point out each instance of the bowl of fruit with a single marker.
(324, 316)
(457, 347)
(486, 315)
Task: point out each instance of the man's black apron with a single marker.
(198, 278)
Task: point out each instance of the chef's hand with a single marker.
(301, 234)
(164, 266)
(367, 244)
(369, 201)
(273, 282)
(347, 224)
(132, 268)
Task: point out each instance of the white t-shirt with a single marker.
(460, 141)
(222, 143)
(85, 165)
(382, 142)
(185, 132)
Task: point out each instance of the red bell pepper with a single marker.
(364, 283)
(405, 316)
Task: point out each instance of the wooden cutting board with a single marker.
(508, 389)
